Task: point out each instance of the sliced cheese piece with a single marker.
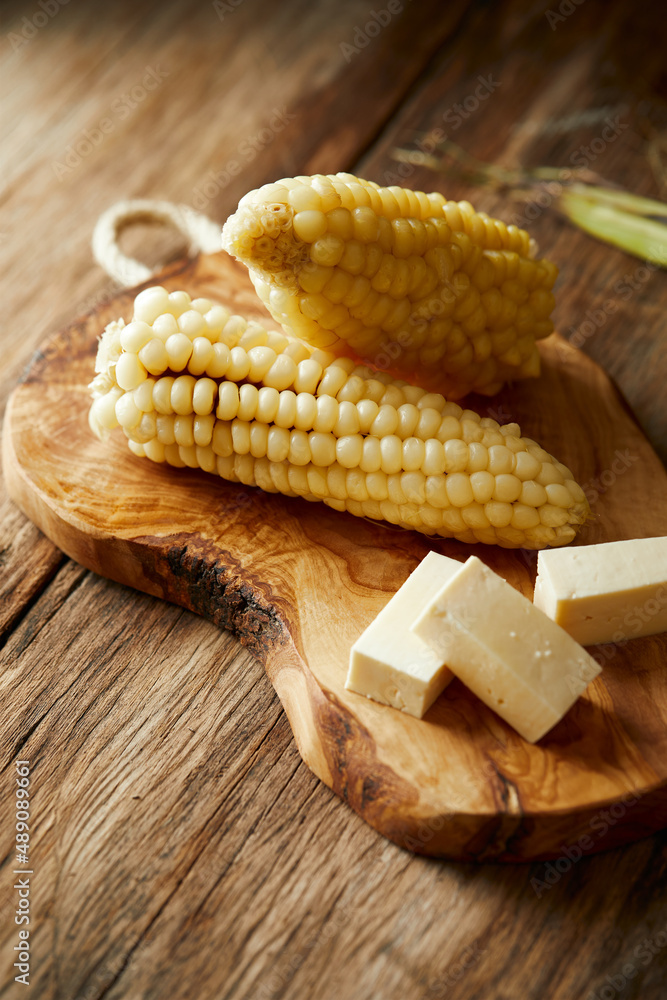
(388, 662)
(514, 658)
(605, 593)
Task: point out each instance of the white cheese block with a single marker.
(605, 593)
(388, 662)
(514, 658)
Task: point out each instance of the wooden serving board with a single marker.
(298, 582)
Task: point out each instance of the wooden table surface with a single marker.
(179, 847)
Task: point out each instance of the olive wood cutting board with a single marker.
(298, 582)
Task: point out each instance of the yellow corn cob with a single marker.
(194, 386)
(411, 283)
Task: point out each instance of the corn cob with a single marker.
(194, 386)
(425, 288)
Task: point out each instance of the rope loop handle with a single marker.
(202, 233)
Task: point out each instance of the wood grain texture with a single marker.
(243, 876)
(182, 846)
(18, 589)
(298, 583)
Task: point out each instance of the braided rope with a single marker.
(202, 233)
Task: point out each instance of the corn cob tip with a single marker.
(262, 236)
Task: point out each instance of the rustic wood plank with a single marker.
(107, 724)
(326, 940)
(21, 579)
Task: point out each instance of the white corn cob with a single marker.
(194, 386)
(409, 282)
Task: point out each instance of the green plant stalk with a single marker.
(625, 200)
(645, 238)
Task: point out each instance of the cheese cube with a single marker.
(388, 662)
(514, 658)
(605, 593)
